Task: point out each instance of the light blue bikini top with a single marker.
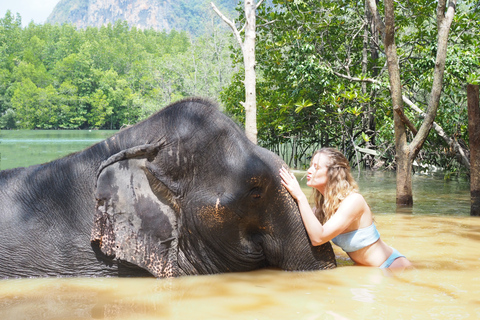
(357, 239)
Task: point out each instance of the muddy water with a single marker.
(444, 285)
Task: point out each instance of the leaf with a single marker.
(303, 104)
(365, 137)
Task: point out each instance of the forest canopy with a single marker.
(60, 77)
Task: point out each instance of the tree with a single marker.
(54, 76)
(8, 119)
(206, 67)
(474, 132)
(248, 50)
(406, 153)
(299, 99)
(72, 110)
(313, 71)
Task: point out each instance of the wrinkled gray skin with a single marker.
(181, 193)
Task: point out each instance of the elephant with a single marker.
(183, 192)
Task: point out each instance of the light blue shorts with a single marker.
(395, 255)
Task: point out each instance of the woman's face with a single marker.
(317, 173)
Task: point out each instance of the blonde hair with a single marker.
(340, 184)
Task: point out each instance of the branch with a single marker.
(379, 25)
(442, 4)
(405, 120)
(461, 152)
(370, 80)
(267, 23)
(258, 4)
(445, 14)
(231, 24)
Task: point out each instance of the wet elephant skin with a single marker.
(183, 192)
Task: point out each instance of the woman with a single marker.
(341, 213)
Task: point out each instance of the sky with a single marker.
(36, 10)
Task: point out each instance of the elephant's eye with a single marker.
(256, 193)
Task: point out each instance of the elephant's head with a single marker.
(201, 199)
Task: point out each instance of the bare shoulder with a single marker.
(353, 205)
(355, 208)
(355, 198)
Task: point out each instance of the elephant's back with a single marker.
(46, 215)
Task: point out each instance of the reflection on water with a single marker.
(444, 285)
(22, 148)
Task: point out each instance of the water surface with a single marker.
(444, 285)
(22, 148)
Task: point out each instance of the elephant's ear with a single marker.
(135, 218)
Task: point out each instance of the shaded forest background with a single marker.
(312, 61)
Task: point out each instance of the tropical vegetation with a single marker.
(323, 79)
(58, 77)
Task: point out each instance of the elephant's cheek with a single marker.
(212, 217)
(221, 228)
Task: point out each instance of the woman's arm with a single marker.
(318, 233)
(312, 225)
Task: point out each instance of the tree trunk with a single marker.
(474, 137)
(406, 153)
(403, 159)
(248, 50)
(366, 115)
(375, 70)
(250, 80)
(367, 107)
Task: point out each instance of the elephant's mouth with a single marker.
(253, 255)
(257, 251)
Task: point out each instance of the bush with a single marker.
(8, 120)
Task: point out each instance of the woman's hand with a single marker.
(291, 184)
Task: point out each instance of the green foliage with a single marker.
(462, 67)
(7, 119)
(57, 77)
(310, 59)
(300, 101)
(473, 79)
